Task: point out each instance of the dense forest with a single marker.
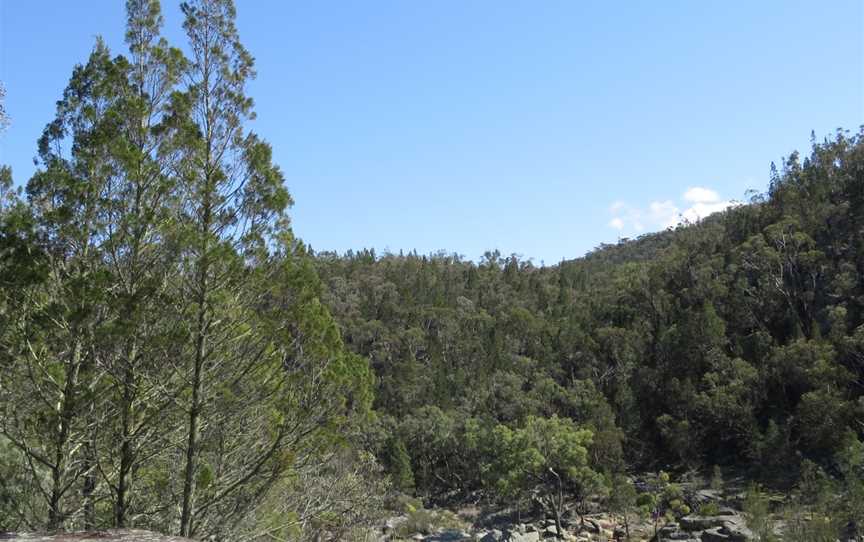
(736, 342)
(172, 357)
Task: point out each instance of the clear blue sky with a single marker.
(541, 128)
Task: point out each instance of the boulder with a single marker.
(672, 532)
(737, 531)
(550, 531)
(707, 495)
(714, 535)
(701, 523)
(728, 526)
(492, 536)
(592, 526)
(515, 536)
(448, 535)
(393, 522)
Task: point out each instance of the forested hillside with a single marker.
(737, 341)
(174, 359)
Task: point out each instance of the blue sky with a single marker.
(538, 128)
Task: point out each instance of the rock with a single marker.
(714, 535)
(515, 536)
(727, 526)
(492, 536)
(393, 522)
(673, 533)
(736, 531)
(592, 526)
(707, 495)
(549, 531)
(701, 523)
(449, 535)
(605, 524)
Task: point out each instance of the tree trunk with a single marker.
(89, 486)
(126, 450)
(557, 502)
(192, 442)
(197, 382)
(67, 412)
(55, 516)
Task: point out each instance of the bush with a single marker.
(803, 526)
(398, 465)
(405, 504)
(709, 509)
(757, 514)
(717, 479)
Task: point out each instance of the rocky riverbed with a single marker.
(710, 515)
(729, 526)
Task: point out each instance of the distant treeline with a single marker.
(735, 341)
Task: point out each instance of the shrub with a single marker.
(757, 515)
(709, 509)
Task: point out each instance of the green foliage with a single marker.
(405, 503)
(622, 500)
(546, 458)
(735, 340)
(671, 496)
(156, 228)
(152, 293)
(398, 464)
(814, 513)
(801, 526)
(646, 501)
(717, 482)
(663, 502)
(757, 512)
(710, 508)
(4, 116)
(550, 450)
(850, 460)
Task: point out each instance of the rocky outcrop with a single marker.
(114, 535)
(522, 532)
(728, 527)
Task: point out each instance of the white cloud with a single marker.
(700, 210)
(699, 194)
(698, 203)
(664, 213)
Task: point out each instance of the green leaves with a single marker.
(152, 293)
(539, 454)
